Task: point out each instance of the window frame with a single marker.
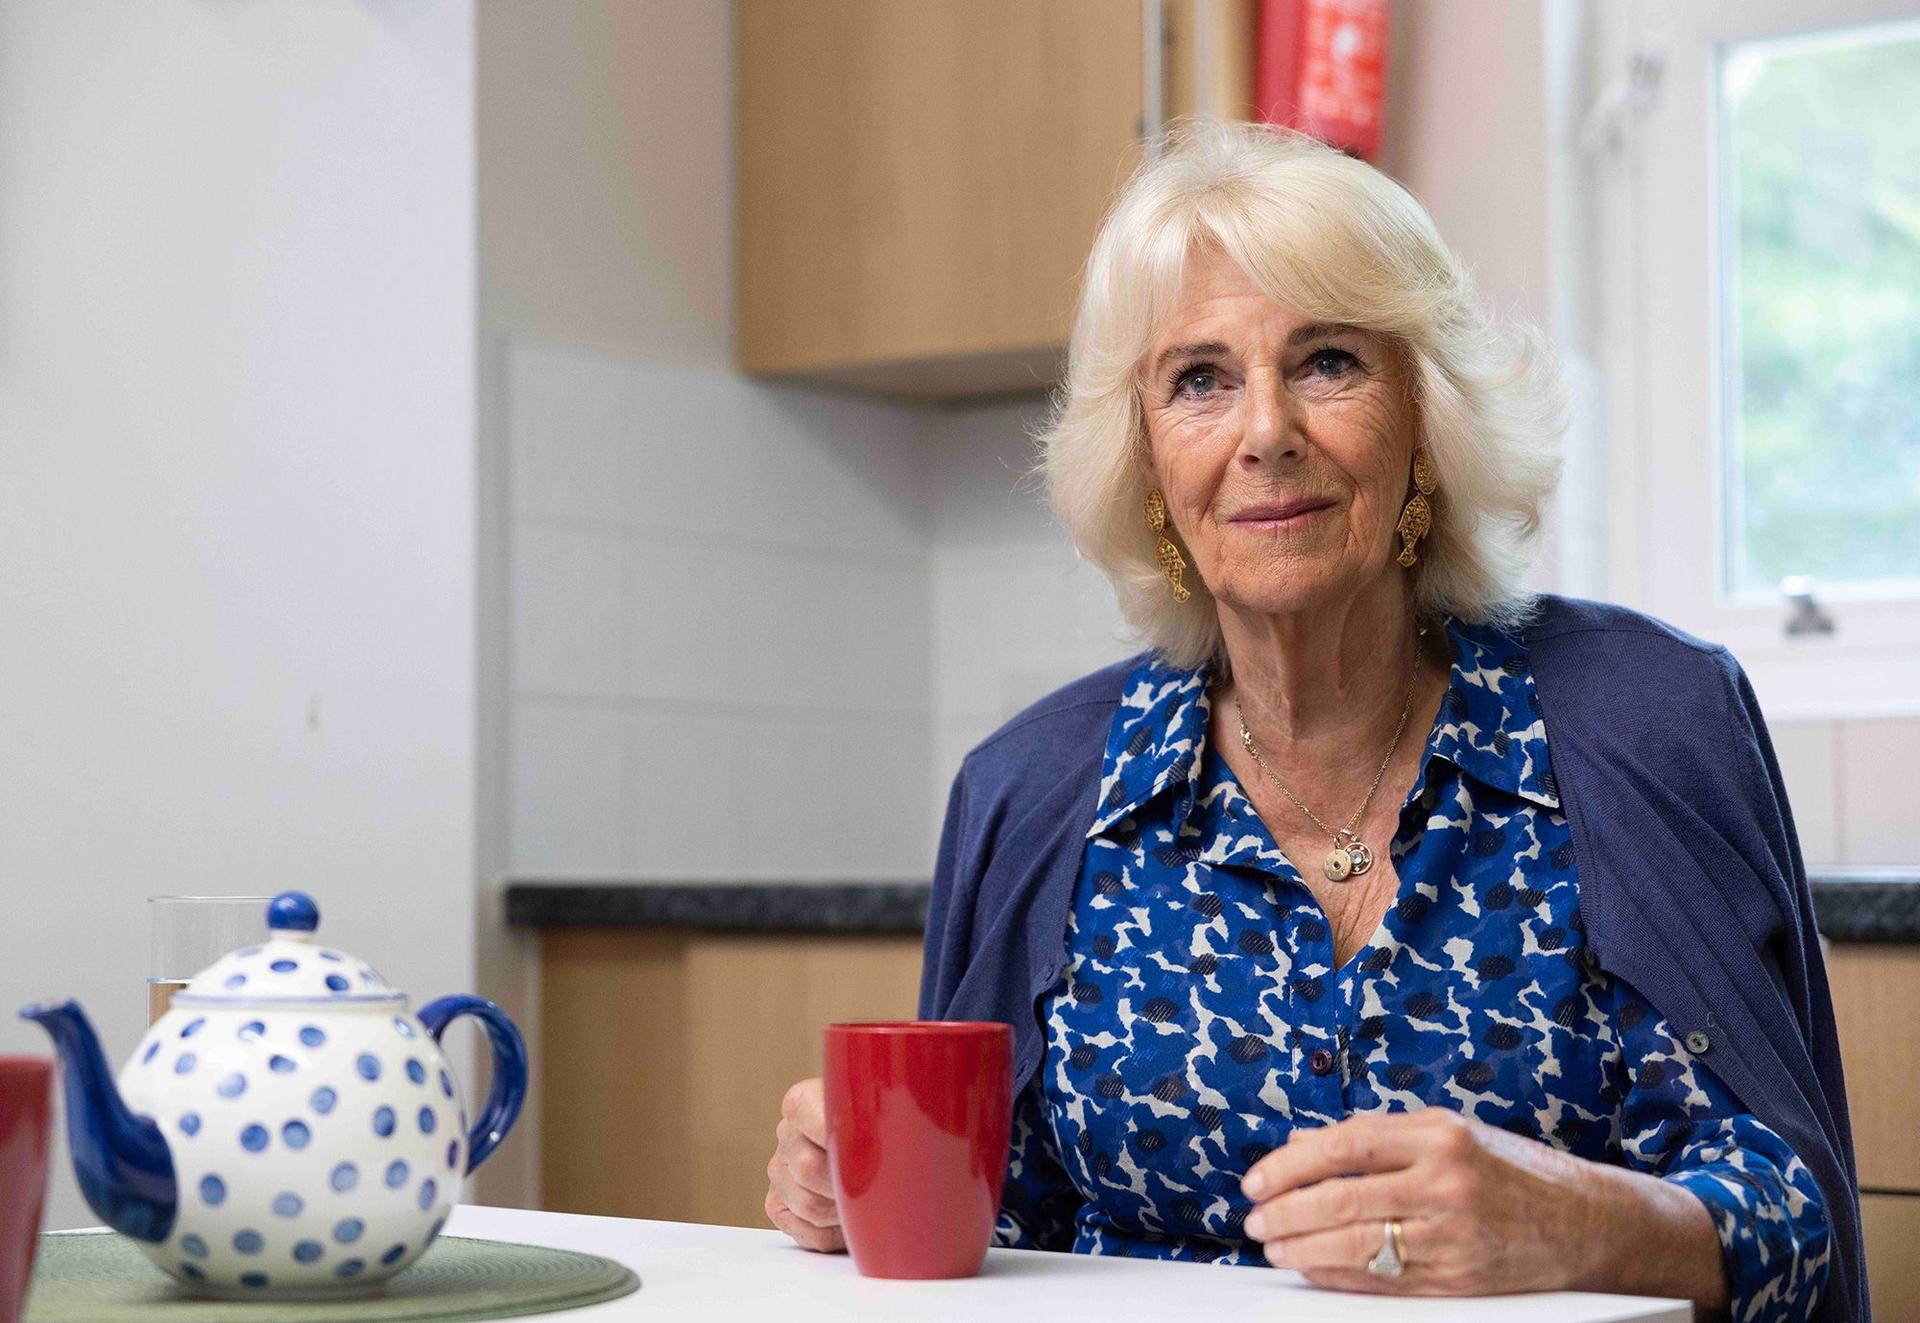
(1661, 337)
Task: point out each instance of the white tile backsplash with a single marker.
(1880, 822)
(1806, 753)
(567, 795)
(683, 603)
(736, 573)
(685, 803)
(570, 433)
(565, 636)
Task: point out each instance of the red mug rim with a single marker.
(941, 1028)
(25, 1063)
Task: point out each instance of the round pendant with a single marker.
(1339, 864)
(1361, 857)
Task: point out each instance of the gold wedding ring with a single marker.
(1391, 1261)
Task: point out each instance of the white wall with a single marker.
(236, 484)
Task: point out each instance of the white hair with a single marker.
(1332, 239)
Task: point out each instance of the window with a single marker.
(1747, 192)
(1820, 304)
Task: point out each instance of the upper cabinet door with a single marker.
(920, 183)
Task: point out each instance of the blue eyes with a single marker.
(1202, 379)
(1196, 381)
(1332, 362)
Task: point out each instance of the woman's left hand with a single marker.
(1481, 1211)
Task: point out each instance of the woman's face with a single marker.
(1283, 446)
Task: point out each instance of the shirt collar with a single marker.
(1489, 727)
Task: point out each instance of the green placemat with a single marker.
(106, 1279)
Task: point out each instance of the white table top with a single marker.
(727, 1273)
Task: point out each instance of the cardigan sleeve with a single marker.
(1680, 1123)
(1693, 888)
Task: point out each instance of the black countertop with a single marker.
(1854, 905)
(766, 907)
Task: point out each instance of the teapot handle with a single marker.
(509, 1085)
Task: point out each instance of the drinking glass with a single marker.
(190, 933)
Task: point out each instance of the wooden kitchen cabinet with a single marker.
(919, 184)
(664, 1056)
(1876, 989)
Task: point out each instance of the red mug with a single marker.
(918, 1115)
(26, 1127)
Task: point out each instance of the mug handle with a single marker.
(509, 1085)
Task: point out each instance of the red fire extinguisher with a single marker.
(1322, 68)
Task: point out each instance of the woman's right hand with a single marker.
(799, 1191)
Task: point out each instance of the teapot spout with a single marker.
(120, 1159)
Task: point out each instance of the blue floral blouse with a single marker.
(1201, 1018)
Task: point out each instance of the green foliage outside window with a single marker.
(1822, 174)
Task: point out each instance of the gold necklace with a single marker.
(1350, 855)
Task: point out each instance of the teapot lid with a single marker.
(288, 966)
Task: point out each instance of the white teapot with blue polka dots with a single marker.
(289, 1129)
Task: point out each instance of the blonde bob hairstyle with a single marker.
(1331, 239)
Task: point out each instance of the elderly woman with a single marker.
(1382, 921)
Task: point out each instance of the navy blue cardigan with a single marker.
(1691, 881)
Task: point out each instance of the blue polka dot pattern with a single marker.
(235, 981)
(396, 1173)
(308, 1251)
(312, 1035)
(295, 1134)
(192, 1272)
(251, 1030)
(344, 1177)
(348, 1229)
(323, 1100)
(427, 1121)
(185, 1063)
(284, 966)
(192, 1244)
(350, 1268)
(153, 1049)
(383, 1121)
(288, 1204)
(213, 1191)
(401, 1027)
(232, 1086)
(446, 1084)
(253, 1138)
(248, 1242)
(415, 1071)
(281, 1065)
(193, 1026)
(253, 1279)
(190, 1123)
(1202, 1018)
(368, 1065)
(336, 983)
(394, 1255)
(429, 1191)
(453, 1154)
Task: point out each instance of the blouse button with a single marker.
(1698, 1042)
(1321, 1061)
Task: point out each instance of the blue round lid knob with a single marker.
(293, 911)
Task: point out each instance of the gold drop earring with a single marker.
(1172, 563)
(1416, 517)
